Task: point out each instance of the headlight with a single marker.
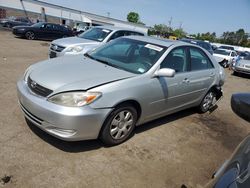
(75, 99)
(21, 29)
(74, 49)
(26, 74)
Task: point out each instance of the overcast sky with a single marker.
(193, 15)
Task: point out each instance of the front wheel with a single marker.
(30, 35)
(119, 125)
(207, 102)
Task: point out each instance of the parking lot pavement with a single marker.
(184, 148)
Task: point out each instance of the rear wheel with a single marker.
(30, 35)
(9, 25)
(207, 102)
(119, 125)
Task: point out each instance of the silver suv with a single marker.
(88, 40)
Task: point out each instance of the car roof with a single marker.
(226, 50)
(159, 41)
(114, 28)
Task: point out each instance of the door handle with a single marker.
(186, 80)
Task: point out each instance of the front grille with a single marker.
(56, 47)
(38, 89)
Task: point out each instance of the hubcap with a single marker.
(208, 101)
(121, 124)
(30, 35)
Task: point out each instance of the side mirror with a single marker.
(165, 72)
(240, 104)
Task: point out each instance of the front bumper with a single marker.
(66, 123)
(244, 69)
(20, 33)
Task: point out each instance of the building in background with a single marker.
(42, 11)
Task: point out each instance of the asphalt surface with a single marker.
(183, 148)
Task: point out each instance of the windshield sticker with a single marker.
(105, 30)
(154, 47)
(141, 70)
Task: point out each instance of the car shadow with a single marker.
(23, 38)
(66, 146)
(242, 75)
(164, 120)
(88, 145)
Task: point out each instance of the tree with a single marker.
(179, 33)
(133, 17)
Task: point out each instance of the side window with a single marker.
(117, 34)
(133, 33)
(176, 59)
(233, 54)
(49, 26)
(199, 61)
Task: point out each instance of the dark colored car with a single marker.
(227, 47)
(15, 22)
(42, 30)
(207, 46)
(243, 55)
(235, 172)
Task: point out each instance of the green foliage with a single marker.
(133, 17)
(179, 33)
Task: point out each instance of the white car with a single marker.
(88, 40)
(224, 57)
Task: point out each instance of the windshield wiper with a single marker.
(102, 61)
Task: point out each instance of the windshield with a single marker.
(128, 54)
(222, 52)
(39, 24)
(96, 34)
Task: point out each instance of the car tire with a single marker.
(235, 73)
(8, 25)
(30, 35)
(207, 102)
(119, 125)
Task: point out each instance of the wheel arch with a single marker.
(130, 102)
(217, 90)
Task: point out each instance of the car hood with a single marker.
(73, 41)
(74, 73)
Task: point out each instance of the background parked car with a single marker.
(235, 172)
(243, 55)
(227, 47)
(203, 44)
(88, 40)
(224, 57)
(42, 30)
(242, 66)
(108, 91)
(11, 22)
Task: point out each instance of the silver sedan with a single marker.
(242, 66)
(127, 82)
